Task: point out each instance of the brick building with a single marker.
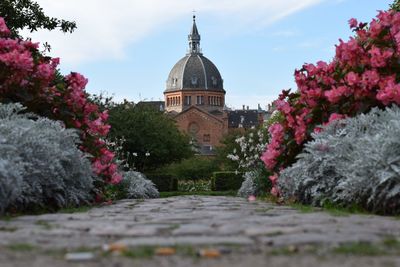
(195, 98)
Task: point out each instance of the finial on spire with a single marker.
(194, 37)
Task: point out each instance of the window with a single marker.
(194, 80)
(188, 100)
(174, 81)
(193, 128)
(214, 81)
(206, 138)
(200, 100)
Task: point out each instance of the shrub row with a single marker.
(226, 181)
(163, 182)
(40, 164)
(351, 162)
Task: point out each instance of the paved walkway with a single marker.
(243, 233)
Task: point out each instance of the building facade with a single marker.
(195, 98)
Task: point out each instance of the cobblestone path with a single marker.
(244, 233)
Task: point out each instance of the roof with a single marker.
(158, 105)
(243, 118)
(194, 71)
(209, 115)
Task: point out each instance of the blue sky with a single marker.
(127, 48)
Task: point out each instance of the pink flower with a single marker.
(353, 23)
(274, 178)
(385, 18)
(4, 31)
(251, 198)
(269, 158)
(352, 78)
(98, 167)
(336, 116)
(375, 28)
(379, 58)
(370, 78)
(317, 129)
(283, 106)
(113, 168)
(275, 191)
(276, 130)
(19, 60)
(336, 94)
(116, 178)
(390, 92)
(107, 156)
(45, 71)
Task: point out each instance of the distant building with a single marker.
(157, 105)
(195, 98)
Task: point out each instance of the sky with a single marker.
(126, 48)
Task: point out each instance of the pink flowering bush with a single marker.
(364, 73)
(28, 77)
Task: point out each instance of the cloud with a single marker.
(286, 34)
(106, 28)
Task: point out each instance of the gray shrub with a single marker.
(136, 185)
(40, 164)
(355, 161)
(249, 186)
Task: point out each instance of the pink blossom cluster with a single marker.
(28, 77)
(363, 74)
(274, 146)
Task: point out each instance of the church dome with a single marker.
(194, 71)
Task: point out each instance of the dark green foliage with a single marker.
(27, 14)
(194, 186)
(163, 182)
(194, 168)
(226, 180)
(147, 132)
(395, 5)
(227, 147)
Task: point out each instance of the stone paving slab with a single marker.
(197, 221)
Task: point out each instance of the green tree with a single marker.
(151, 138)
(228, 145)
(21, 14)
(395, 5)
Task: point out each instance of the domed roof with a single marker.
(194, 71)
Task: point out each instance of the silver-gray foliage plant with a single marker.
(136, 185)
(249, 186)
(355, 161)
(40, 164)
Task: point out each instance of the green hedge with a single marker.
(226, 180)
(164, 182)
(195, 168)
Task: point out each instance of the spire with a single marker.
(194, 39)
